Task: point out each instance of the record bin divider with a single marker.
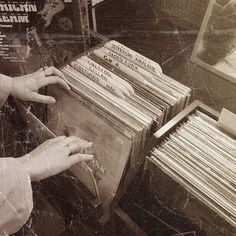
(213, 224)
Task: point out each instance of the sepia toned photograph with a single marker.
(118, 117)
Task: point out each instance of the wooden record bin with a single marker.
(160, 188)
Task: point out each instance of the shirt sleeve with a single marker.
(16, 201)
(5, 88)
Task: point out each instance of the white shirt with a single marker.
(16, 200)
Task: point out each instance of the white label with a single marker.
(134, 56)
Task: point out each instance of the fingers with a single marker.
(58, 77)
(74, 159)
(53, 71)
(75, 144)
(79, 147)
(72, 144)
(36, 97)
(53, 80)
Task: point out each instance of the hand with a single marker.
(26, 87)
(54, 156)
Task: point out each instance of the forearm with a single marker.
(15, 196)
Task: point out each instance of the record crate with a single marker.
(165, 193)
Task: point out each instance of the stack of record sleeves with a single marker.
(202, 158)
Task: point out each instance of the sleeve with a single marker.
(16, 201)
(5, 88)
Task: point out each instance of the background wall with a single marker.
(166, 31)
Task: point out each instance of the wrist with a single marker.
(8, 82)
(5, 87)
(12, 92)
(25, 162)
(11, 83)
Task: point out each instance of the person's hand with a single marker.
(54, 156)
(26, 87)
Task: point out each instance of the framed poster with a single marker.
(36, 33)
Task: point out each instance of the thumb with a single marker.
(74, 159)
(36, 97)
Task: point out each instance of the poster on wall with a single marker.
(35, 33)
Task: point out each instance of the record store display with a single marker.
(119, 98)
(202, 158)
(99, 139)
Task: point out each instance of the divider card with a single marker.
(135, 57)
(174, 96)
(108, 73)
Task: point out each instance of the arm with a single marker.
(15, 196)
(50, 158)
